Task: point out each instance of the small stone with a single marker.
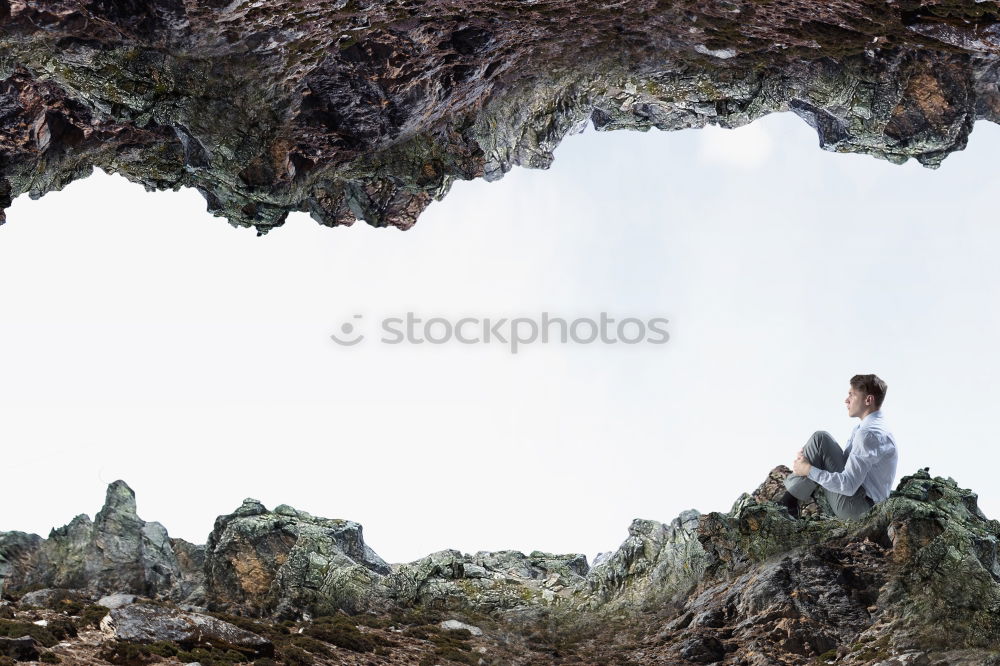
(116, 600)
(455, 624)
(702, 649)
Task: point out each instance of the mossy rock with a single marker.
(125, 654)
(339, 631)
(293, 656)
(91, 616)
(15, 629)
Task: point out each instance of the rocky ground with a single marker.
(914, 581)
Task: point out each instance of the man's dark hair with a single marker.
(870, 385)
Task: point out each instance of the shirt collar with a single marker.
(877, 414)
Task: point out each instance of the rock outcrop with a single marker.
(918, 575)
(116, 552)
(261, 562)
(371, 110)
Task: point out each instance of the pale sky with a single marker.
(144, 339)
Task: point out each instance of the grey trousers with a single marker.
(823, 452)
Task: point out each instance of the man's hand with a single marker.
(801, 466)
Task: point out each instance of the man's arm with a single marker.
(863, 454)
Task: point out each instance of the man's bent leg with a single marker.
(822, 452)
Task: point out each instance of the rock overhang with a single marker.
(363, 110)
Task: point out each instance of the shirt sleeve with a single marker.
(863, 455)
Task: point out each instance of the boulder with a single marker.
(148, 623)
(284, 562)
(24, 648)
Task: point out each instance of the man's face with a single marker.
(856, 402)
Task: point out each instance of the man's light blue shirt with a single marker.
(872, 463)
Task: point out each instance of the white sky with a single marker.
(143, 339)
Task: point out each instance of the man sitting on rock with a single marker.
(861, 475)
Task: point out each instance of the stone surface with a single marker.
(370, 110)
(457, 624)
(118, 600)
(51, 597)
(285, 561)
(507, 583)
(149, 623)
(23, 648)
(655, 565)
(18, 551)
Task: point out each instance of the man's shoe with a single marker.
(790, 502)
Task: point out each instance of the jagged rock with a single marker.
(24, 648)
(148, 623)
(601, 558)
(505, 582)
(370, 110)
(18, 551)
(190, 586)
(656, 564)
(116, 552)
(118, 600)
(945, 558)
(286, 561)
(918, 572)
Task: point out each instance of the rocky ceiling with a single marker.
(350, 109)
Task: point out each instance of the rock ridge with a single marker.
(920, 572)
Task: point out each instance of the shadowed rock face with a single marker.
(919, 573)
(351, 109)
